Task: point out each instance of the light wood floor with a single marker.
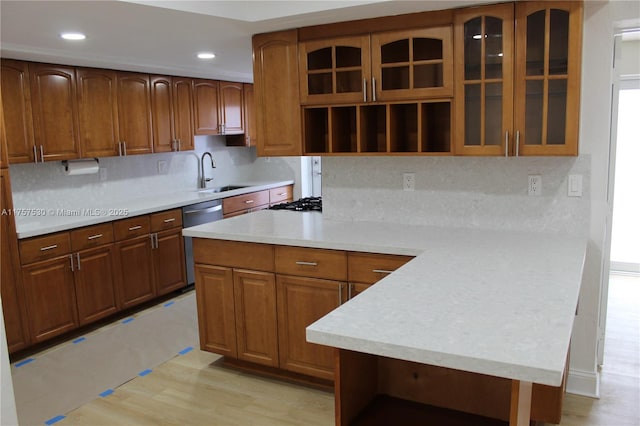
(193, 390)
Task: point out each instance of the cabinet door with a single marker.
(134, 113)
(251, 137)
(302, 301)
(335, 70)
(255, 311)
(55, 111)
(50, 298)
(484, 80)
(95, 283)
(183, 112)
(275, 60)
(547, 81)
(206, 104)
(412, 64)
(97, 112)
(231, 108)
(12, 296)
(216, 312)
(16, 102)
(162, 114)
(168, 261)
(135, 274)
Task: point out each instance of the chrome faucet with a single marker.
(203, 179)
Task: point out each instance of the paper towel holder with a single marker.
(67, 164)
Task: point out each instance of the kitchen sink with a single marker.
(222, 188)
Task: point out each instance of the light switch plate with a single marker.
(162, 167)
(574, 186)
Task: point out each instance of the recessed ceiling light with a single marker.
(73, 36)
(206, 55)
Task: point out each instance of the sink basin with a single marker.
(222, 188)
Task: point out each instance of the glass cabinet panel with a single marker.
(558, 41)
(473, 49)
(535, 43)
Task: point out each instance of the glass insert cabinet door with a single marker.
(548, 49)
(334, 70)
(412, 64)
(484, 80)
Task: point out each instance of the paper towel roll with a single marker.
(81, 167)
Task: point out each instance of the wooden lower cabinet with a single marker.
(50, 298)
(168, 261)
(95, 283)
(216, 311)
(302, 301)
(136, 278)
(255, 315)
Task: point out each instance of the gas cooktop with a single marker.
(301, 205)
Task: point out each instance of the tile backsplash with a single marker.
(487, 192)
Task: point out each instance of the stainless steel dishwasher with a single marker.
(197, 214)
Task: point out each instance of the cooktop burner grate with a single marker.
(301, 205)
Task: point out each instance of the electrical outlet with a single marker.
(535, 185)
(409, 181)
(162, 167)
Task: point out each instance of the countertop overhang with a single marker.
(45, 220)
(493, 302)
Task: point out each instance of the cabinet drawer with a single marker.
(233, 254)
(46, 247)
(129, 228)
(310, 262)
(281, 194)
(370, 267)
(166, 220)
(245, 201)
(91, 236)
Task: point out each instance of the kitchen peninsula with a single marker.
(490, 308)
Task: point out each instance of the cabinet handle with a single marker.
(153, 243)
(179, 144)
(71, 262)
(41, 153)
(120, 149)
(349, 292)
(156, 238)
(51, 247)
(35, 154)
(381, 271)
(506, 143)
(301, 263)
(134, 228)
(170, 220)
(340, 287)
(78, 257)
(282, 194)
(93, 237)
(124, 144)
(364, 89)
(373, 89)
(249, 201)
(517, 143)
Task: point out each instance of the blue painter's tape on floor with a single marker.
(26, 361)
(106, 393)
(78, 340)
(53, 420)
(128, 320)
(166, 305)
(186, 350)
(145, 372)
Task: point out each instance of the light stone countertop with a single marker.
(500, 303)
(45, 221)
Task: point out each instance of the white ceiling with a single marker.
(164, 36)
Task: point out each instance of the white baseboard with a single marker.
(584, 383)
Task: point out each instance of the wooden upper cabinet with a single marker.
(16, 103)
(134, 113)
(55, 111)
(231, 109)
(206, 106)
(335, 70)
(162, 113)
(182, 93)
(547, 77)
(277, 93)
(412, 64)
(484, 79)
(97, 112)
